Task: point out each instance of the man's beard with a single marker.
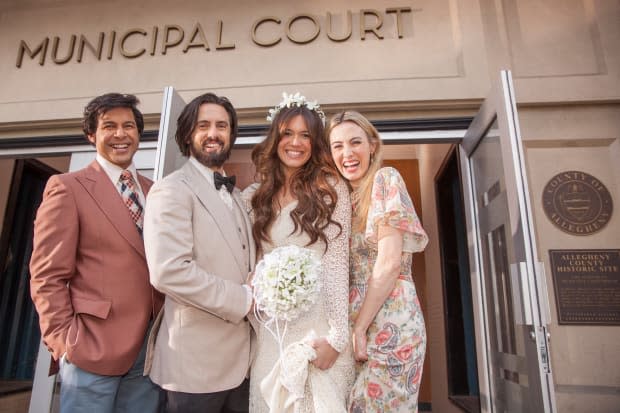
(211, 159)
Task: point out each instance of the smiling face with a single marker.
(351, 149)
(116, 138)
(295, 146)
(210, 141)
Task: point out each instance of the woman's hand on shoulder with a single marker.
(326, 355)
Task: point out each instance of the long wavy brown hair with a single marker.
(310, 184)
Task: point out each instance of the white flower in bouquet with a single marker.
(286, 284)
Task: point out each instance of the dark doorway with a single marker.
(458, 310)
(19, 323)
(410, 171)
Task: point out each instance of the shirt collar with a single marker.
(204, 170)
(114, 171)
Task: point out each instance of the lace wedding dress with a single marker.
(328, 318)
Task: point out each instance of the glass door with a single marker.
(168, 157)
(511, 300)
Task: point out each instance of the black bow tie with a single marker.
(227, 181)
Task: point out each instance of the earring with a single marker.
(372, 156)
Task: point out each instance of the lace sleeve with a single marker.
(246, 196)
(335, 271)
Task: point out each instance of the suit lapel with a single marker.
(222, 216)
(145, 184)
(106, 196)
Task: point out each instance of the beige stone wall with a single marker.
(558, 50)
(442, 52)
(438, 57)
(582, 138)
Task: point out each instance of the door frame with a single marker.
(500, 106)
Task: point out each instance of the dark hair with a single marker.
(188, 117)
(102, 104)
(312, 184)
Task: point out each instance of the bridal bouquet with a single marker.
(286, 284)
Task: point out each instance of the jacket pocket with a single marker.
(97, 308)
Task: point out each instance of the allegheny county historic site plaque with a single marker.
(587, 286)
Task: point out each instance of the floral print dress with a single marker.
(390, 380)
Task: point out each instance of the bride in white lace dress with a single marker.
(300, 201)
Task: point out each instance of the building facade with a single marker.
(514, 174)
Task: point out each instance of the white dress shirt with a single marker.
(208, 174)
(114, 173)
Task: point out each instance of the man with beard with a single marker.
(199, 250)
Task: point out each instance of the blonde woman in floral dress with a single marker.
(388, 333)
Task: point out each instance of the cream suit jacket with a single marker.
(196, 257)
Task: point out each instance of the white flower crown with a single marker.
(295, 100)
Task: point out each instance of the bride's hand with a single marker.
(326, 355)
(360, 351)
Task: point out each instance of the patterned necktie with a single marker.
(130, 197)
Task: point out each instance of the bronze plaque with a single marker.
(577, 203)
(587, 286)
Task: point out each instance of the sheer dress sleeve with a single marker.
(247, 194)
(391, 205)
(335, 271)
